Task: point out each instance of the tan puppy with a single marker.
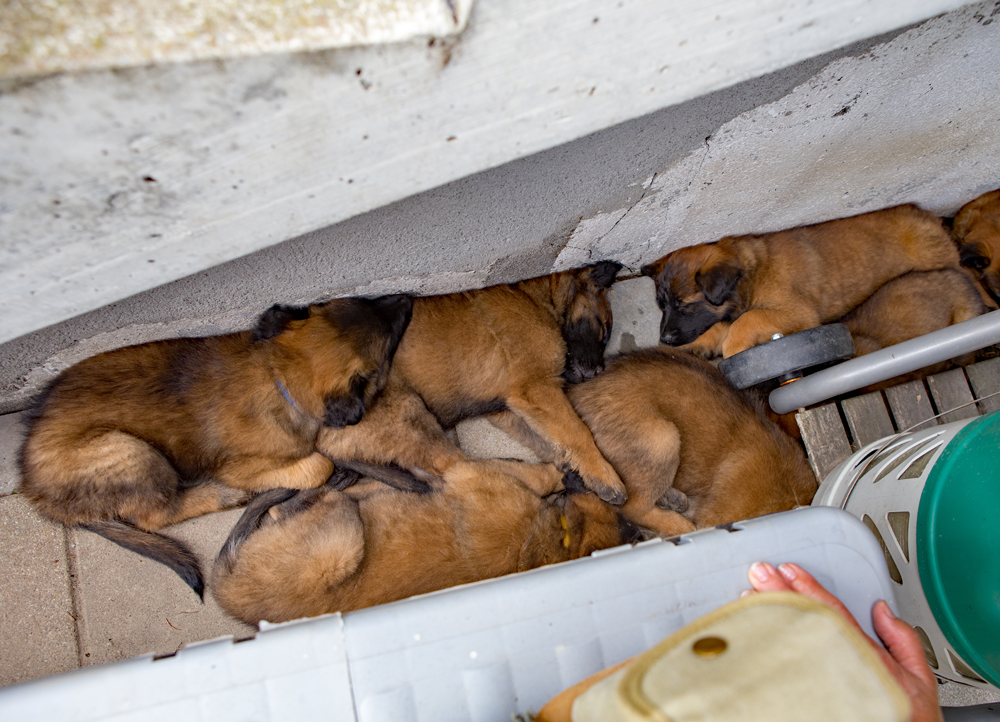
(912, 305)
(334, 551)
(729, 296)
(692, 451)
(133, 440)
(976, 229)
(507, 349)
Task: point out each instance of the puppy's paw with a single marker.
(673, 500)
(699, 350)
(611, 493)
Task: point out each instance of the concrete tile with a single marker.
(482, 440)
(37, 632)
(636, 316)
(11, 434)
(952, 694)
(129, 605)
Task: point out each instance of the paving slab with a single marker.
(636, 316)
(37, 629)
(482, 440)
(11, 434)
(129, 605)
(952, 694)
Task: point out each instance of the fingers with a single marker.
(793, 578)
(902, 642)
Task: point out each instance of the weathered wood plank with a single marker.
(824, 437)
(949, 390)
(984, 378)
(910, 404)
(867, 418)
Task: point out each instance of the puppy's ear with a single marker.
(719, 283)
(972, 257)
(603, 274)
(276, 319)
(653, 269)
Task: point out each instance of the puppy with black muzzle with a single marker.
(976, 230)
(728, 296)
(506, 351)
(692, 451)
(324, 550)
(132, 440)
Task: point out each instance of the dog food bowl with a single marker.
(931, 498)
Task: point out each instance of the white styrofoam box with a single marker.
(480, 652)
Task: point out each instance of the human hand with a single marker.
(905, 656)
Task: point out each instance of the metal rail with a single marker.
(886, 363)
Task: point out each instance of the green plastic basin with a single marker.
(958, 544)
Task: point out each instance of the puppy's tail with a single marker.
(252, 519)
(390, 474)
(157, 547)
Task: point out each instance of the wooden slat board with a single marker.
(825, 439)
(910, 404)
(984, 378)
(949, 390)
(867, 418)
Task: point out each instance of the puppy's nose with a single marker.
(668, 337)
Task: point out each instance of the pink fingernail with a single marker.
(888, 609)
(760, 571)
(747, 593)
(787, 571)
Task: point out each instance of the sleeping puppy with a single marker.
(506, 350)
(692, 451)
(976, 230)
(135, 439)
(729, 296)
(912, 305)
(325, 551)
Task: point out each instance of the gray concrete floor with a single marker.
(72, 599)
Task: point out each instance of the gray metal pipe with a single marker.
(885, 363)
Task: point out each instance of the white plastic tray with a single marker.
(481, 652)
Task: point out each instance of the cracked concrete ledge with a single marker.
(115, 182)
(911, 121)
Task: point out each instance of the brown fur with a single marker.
(732, 295)
(139, 438)
(501, 350)
(976, 229)
(371, 544)
(680, 436)
(912, 305)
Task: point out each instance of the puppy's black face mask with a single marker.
(685, 319)
(586, 340)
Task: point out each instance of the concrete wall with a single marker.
(908, 118)
(116, 181)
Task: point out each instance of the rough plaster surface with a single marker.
(497, 226)
(912, 121)
(40, 37)
(113, 182)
